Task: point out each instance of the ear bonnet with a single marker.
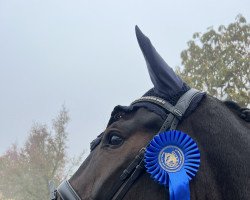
(167, 85)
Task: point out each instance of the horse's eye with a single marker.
(115, 140)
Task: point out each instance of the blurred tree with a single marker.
(219, 61)
(25, 172)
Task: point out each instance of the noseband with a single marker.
(136, 167)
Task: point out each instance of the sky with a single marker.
(83, 54)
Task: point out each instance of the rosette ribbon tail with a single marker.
(179, 185)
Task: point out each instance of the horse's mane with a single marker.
(243, 113)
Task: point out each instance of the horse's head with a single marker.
(117, 152)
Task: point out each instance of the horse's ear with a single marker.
(164, 79)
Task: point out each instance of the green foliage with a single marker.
(218, 61)
(25, 172)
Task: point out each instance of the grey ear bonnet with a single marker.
(167, 85)
(166, 82)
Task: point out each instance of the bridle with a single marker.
(136, 167)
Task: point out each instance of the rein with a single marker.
(136, 167)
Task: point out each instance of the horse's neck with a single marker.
(224, 145)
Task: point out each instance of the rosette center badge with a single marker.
(171, 158)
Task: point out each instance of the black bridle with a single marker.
(136, 167)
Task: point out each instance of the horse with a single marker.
(221, 130)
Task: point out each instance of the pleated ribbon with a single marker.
(173, 158)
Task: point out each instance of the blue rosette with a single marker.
(173, 158)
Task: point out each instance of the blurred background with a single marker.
(64, 65)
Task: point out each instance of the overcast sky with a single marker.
(84, 54)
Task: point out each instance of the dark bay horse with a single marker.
(223, 138)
